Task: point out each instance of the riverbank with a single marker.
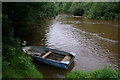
(93, 10)
(17, 19)
(106, 72)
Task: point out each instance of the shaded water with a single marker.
(95, 43)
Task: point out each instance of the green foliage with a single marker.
(15, 63)
(17, 72)
(66, 6)
(25, 14)
(76, 9)
(17, 21)
(106, 72)
(78, 74)
(8, 71)
(105, 11)
(94, 10)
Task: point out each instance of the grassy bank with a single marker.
(16, 72)
(15, 63)
(106, 72)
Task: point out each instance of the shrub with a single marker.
(106, 72)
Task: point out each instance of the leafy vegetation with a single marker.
(106, 72)
(76, 9)
(17, 19)
(95, 10)
(15, 63)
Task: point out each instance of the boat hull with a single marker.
(52, 63)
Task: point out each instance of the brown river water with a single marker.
(95, 43)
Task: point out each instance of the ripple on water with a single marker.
(92, 50)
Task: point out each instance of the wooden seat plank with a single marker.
(46, 54)
(66, 58)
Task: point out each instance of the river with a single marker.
(95, 43)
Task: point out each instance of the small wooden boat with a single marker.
(49, 56)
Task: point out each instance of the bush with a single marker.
(103, 11)
(106, 72)
(94, 10)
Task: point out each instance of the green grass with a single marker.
(31, 72)
(16, 72)
(106, 72)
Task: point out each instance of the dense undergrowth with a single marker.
(102, 73)
(16, 21)
(15, 63)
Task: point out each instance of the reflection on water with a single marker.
(95, 43)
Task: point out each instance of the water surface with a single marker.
(95, 43)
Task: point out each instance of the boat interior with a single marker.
(53, 56)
